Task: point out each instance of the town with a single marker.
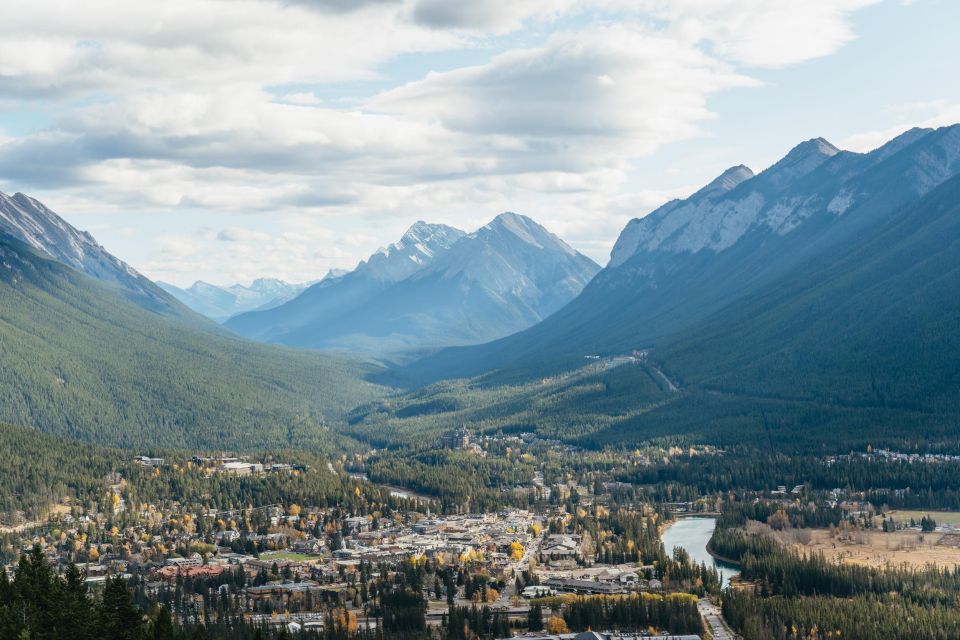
(302, 568)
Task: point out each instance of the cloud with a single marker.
(495, 15)
(239, 234)
(339, 6)
(927, 115)
(760, 33)
(115, 45)
(223, 106)
(581, 100)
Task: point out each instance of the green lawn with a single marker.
(941, 517)
(287, 555)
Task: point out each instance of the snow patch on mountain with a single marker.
(839, 204)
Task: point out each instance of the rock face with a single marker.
(437, 286)
(739, 234)
(32, 223)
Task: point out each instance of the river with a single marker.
(693, 534)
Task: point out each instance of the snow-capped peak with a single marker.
(525, 229)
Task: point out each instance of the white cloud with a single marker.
(495, 15)
(217, 105)
(760, 33)
(931, 114)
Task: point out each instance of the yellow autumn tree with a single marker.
(348, 621)
(557, 625)
(516, 550)
(294, 509)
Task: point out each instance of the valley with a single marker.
(486, 434)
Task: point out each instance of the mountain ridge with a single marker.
(689, 258)
(33, 223)
(504, 276)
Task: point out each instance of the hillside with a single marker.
(869, 325)
(82, 361)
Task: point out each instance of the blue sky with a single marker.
(215, 140)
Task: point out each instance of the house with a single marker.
(357, 524)
(226, 537)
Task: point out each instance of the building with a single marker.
(241, 468)
(560, 550)
(567, 585)
(194, 560)
(458, 438)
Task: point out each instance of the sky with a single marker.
(227, 140)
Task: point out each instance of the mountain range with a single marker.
(818, 298)
(436, 286)
(221, 303)
(698, 282)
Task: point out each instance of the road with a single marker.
(670, 385)
(518, 567)
(711, 613)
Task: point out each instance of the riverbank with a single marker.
(693, 535)
(720, 558)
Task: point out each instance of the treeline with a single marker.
(39, 605)
(814, 617)
(457, 479)
(192, 487)
(676, 612)
(40, 470)
(796, 597)
(623, 535)
(462, 623)
(896, 483)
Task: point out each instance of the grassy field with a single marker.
(287, 555)
(879, 549)
(941, 517)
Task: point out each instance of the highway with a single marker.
(711, 613)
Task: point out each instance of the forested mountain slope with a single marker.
(873, 324)
(81, 360)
